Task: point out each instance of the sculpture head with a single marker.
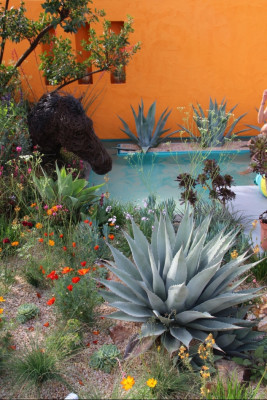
(59, 120)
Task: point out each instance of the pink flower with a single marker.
(254, 281)
(29, 170)
(18, 149)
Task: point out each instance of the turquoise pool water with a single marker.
(134, 177)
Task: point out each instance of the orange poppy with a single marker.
(81, 383)
(86, 221)
(41, 240)
(61, 235)
(46, 324)
(96, 247)
(76, 279)
(73, 244)
(111, 237)
(51, 234)
(46, 234)
(51, 243)
(90, 223)
(70, 287)
(66, 270)
(94, 269)
(51, 301)
(83, 271)
(95, 332)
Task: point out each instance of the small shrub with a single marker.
(26, 312)
(66, 340)
(79, 301)
(105, 358)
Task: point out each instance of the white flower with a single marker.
(144, 219)
(108, 209)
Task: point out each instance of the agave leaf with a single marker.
(140, 239)
(151, 120)
(201, 231)
(168, 320)
(124, 264)
(130, 282)
(121, 291)
(141, 262)
(211, 325)
(128, 132)
(154, 240)
(177, 273)
(234, 124)
(182, 334)
(158, 284)
(185, 317)
(177, 295)
(185, 231)
(152, 329)
(156, 303)
(223, 301)
(168, 255)
(170, 343)
(193, 257)
(134, 310)
(196, 285)
(125, 317)
(170, 230)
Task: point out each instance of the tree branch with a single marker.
(76, 79)
(4, 40)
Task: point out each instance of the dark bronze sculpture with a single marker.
(59, 120)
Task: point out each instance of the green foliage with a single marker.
(79, 303)
(105, 358)
(177, 286)
(5, 339)
(66, 339)
(255, 362)
(145, 126)
(73, 193)
(26, 312)
(214, 128)
(260, 270)
(258, 154)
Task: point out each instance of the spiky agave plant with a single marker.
(177, 285)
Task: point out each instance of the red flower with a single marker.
(83, 271)
(73, 244)
(61, 235)
(83, 263)
(95, 341)
(45, 234)
(64, 248)
(6, 240)
(41, 240)
(95, 332)
(96, 247)
(88, 344)
(81, 383)
(76, 279)
(111, 237)
(12, 347)
(90, 223)
(52, 275)
(31, 328)
(86, 221)
(51, 301)
(51, 234)
(70, 287)
(46, 324)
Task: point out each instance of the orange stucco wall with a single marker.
(191, 50)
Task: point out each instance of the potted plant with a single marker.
(263, 223)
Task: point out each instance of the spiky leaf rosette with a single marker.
(177, 285)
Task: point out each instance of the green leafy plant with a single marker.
(66, 339)
(105, 358)
(255, 362)
(73, 193)
(177, 285)
(214, 127)
(26, 312)
(146, 125)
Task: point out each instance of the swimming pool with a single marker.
(134, 177)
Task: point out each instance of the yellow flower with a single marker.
(127, 383)
(26, 218)
(33, 205)
(54, 208)
(22, 234)
(106, 178)
(51, 243)
(256, 249)
(38, 225)
(106, 195)
(254, 223)
(49, 212)
(205, 367)
(17, 209)
(1, 310)
(158, 349)
(234, 254)
(14, 244)
(205, 375)
(20, 186)
(2, 298)
(205, 187)
(151, 382)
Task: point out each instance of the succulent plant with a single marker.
(146, 125)
(178, 286)
(26, 312)
(105, 358)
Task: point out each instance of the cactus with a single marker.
(26, 312)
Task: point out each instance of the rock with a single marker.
(120, 333)
(72, 396)
(229, 369)
(262, 326)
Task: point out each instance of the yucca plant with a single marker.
(146, 125)
(214, 128)
(177, 286)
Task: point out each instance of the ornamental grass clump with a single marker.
(177, 286)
